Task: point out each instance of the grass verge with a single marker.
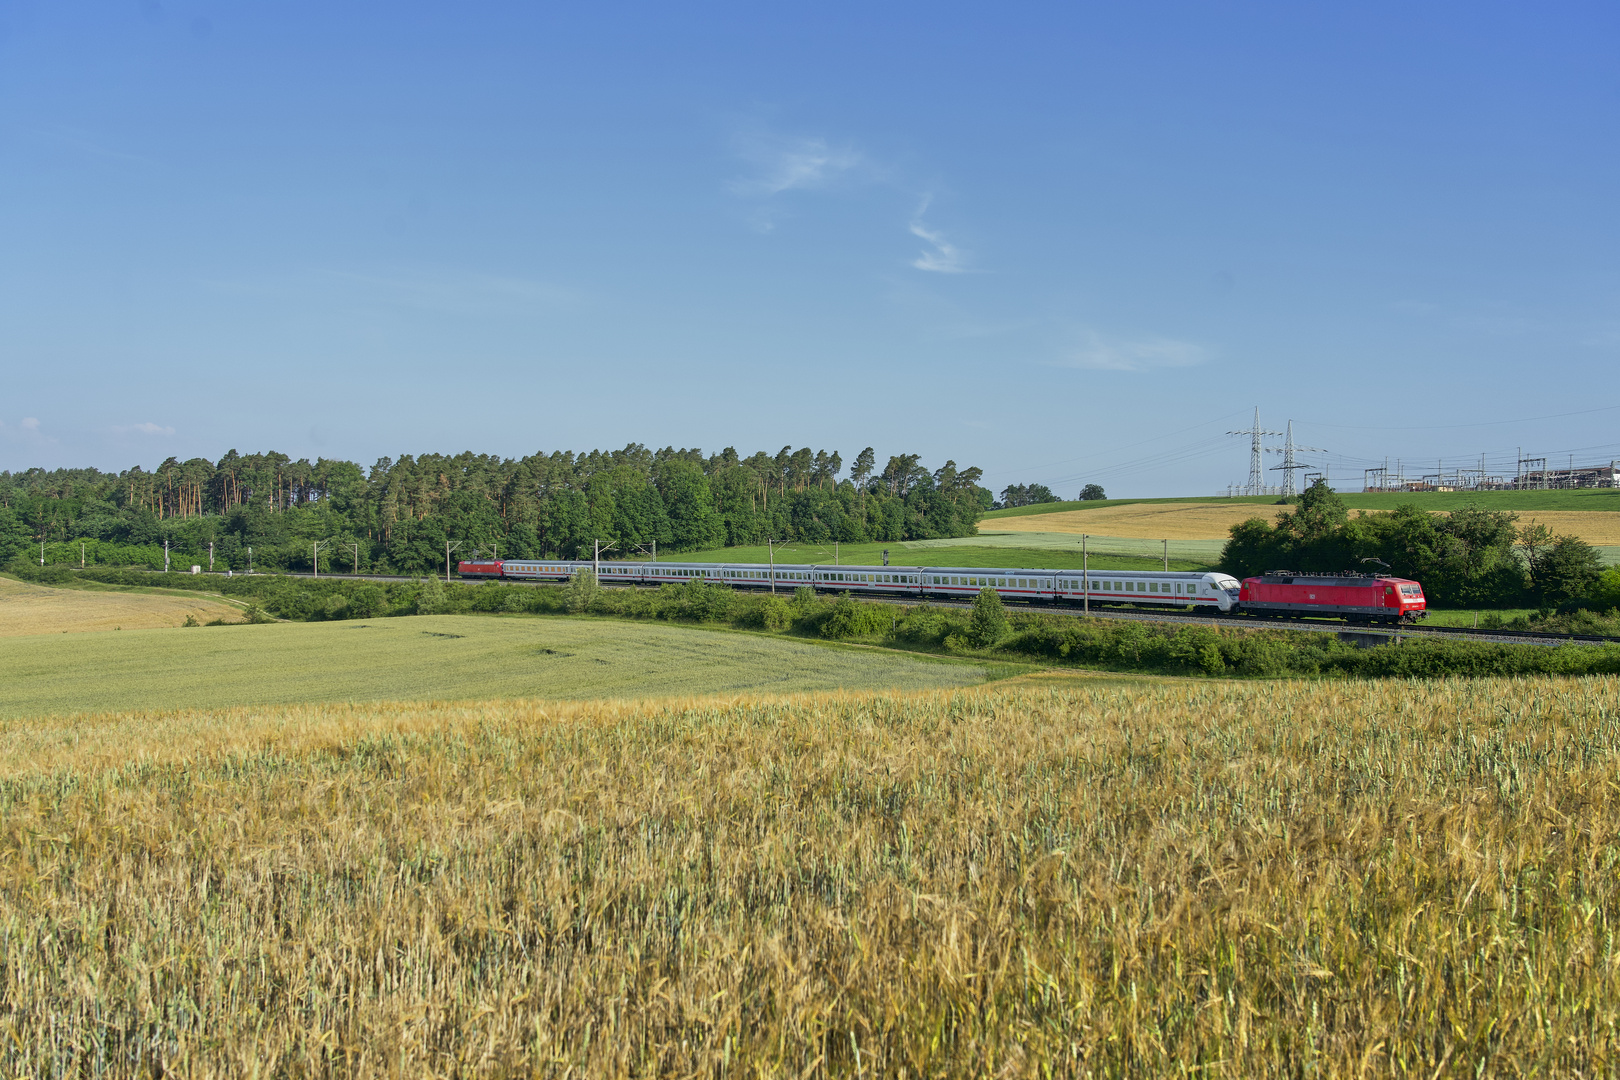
(436, 657)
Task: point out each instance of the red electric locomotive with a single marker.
(480, 568)
(1362, 598)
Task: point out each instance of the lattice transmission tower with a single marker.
(1288, 450)
(1257, 476)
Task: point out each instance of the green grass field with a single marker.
(425, 658)
(1471, 617)
(1517, 501)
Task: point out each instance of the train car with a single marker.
(1363, 598)
(1208, 591)
(537, 569)
(1211, 591)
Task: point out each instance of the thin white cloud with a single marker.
(27, 432)
(946, 258)
(790, 164)
(145, 427)
(783, 164)
(1101, 353)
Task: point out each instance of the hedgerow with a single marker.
(1113, 644)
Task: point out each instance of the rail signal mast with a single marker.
(1288, 450)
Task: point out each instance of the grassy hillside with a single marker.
(36, 609)
(431, 657)
(1073, 879)
(1607, 499)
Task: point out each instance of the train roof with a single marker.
(1348, 580)
(874, 569)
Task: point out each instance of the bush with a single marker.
(849, 618)
(928, 625)
(694, 601)
(581, 591)
(989, 623)
(430, 597)
(766, 613)
(366, 602)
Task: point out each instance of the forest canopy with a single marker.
(397, 516)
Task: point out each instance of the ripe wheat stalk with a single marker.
(1084, 879)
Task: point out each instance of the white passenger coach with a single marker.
(1164, 589)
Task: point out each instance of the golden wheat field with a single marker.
(1212, 521)
(37, 609)
(1046, 878)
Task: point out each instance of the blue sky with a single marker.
(1061, 242)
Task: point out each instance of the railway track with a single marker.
(1101, 611)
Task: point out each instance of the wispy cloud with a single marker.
(1100, 353)
(26, 431)
(782, 163)
(946, 258)
(145, 427)
(787, 163)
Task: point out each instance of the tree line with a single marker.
(398, 516)
(1471, 557)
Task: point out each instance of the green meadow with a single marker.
(1518, 501)
(433, 657)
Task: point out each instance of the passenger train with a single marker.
(1211, 591)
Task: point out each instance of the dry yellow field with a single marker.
(1148, 521)
(36, 609)
(1084, 878)
(1211, 521)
